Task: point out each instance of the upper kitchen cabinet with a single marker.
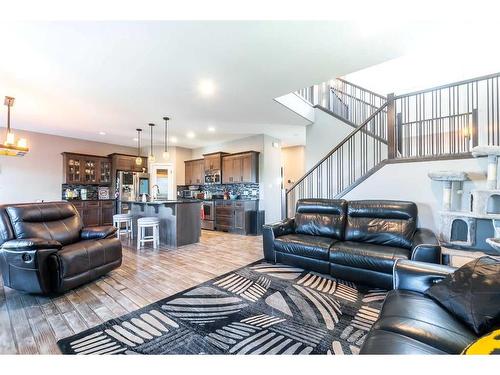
(240, 168)
(126, 163)
(194, 172)
(213, 161)
(86, 169)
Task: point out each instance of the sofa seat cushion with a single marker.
(419, 317)
(83, 256)
(367, 256)
(386, 342)
(315, 247)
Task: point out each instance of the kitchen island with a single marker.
(180, 220)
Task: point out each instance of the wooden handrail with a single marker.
(459, 83)
(361, 88)
(345, 140)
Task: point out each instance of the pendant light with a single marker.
(10, 147)
(166, 153)
(151, 153)
(138, 159)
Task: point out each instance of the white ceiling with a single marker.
(79, 78)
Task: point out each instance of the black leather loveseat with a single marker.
(410, 322)
(44, 248)
(355, 240)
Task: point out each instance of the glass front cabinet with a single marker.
(86, 169)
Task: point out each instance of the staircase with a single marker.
(437, 123)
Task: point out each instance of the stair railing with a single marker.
(352, 159)
(344, 99)
(448, 120)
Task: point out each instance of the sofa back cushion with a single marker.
(51, 221)
(321, 217)
(6, 233)
(382, 222)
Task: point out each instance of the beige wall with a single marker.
(294, 165)
(38, 175)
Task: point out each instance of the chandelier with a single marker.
(10, 147)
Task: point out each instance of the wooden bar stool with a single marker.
(142, 225)
(119, 220)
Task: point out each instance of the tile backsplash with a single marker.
(92, 191)
(250, 190)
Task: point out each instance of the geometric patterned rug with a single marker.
(262, 308)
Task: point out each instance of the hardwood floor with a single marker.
(33, 324)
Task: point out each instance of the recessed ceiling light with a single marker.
(173, 139)
(206, 87)
(211, 129)
(102, 133)
(190, 134)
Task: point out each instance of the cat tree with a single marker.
(458, 227)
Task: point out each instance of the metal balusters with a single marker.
(347, 163)
(449, 119)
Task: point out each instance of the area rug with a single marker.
(259, 309)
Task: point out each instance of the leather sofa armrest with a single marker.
(23, 244)
(272, 231)
(418, 276)
(282, 228)
(25, 265)
(425, 247)
(97, 233)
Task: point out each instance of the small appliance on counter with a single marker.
(83, 194)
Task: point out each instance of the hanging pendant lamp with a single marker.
(10, 147)
(151, 153)
(138, 159)
(166, 153)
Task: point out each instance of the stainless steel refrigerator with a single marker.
(130, 186)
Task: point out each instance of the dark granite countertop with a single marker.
(88, 200)
(177, 201)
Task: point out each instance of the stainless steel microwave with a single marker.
(213, 177)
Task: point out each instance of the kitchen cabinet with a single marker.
(194, 172)
(86, 169)
(213, 161)
(95, 213)
(240, 168)
(231, 215)
(126, 163)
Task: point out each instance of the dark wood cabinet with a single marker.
(107, 212)
(213, 161)
(95, 213)
(127, 163)
(235, 168)
(194, 172)
(86, 169)
(240, 168)
(231, 216)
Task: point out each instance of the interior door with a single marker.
(162, 175)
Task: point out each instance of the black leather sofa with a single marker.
(412, 323)
(44, 248)
(356, 240)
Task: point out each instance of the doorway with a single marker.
(162, 176)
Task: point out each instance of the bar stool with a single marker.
(126, 219)
(144, 223)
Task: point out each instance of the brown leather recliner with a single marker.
(44, 248)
